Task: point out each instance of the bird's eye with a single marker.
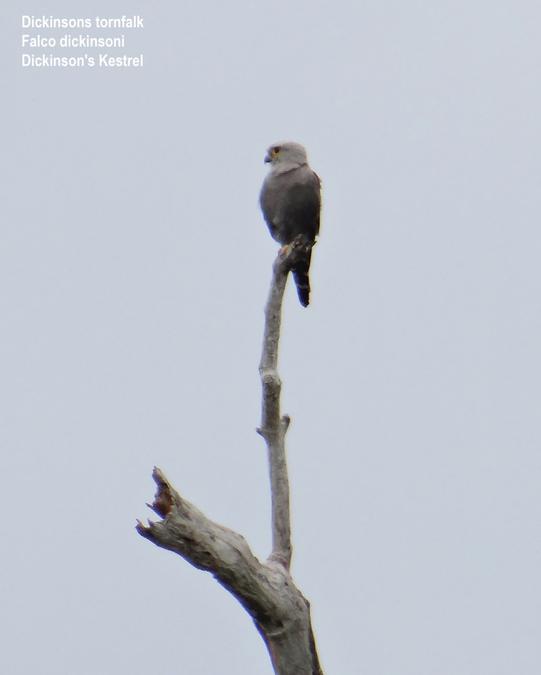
(276, 149)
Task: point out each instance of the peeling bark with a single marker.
(266, 590)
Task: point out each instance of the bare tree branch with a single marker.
(266, 590)
(273, 427)
(208, 546)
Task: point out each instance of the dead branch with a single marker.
(266, 590)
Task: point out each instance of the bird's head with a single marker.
(287, 154)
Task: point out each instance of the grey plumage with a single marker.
(291, 202)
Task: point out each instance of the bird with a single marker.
(290, 200)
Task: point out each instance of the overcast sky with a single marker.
(134, 266)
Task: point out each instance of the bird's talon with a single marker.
(284, 250)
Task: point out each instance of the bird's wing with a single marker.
(291, 203)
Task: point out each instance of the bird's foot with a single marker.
(284, 250)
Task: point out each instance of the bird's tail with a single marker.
(302, 281)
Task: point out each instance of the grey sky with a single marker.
(134, 265)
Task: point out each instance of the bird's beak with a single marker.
(268, 158)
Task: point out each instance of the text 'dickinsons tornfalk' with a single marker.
(104, 39)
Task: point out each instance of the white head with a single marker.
(286, 155)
